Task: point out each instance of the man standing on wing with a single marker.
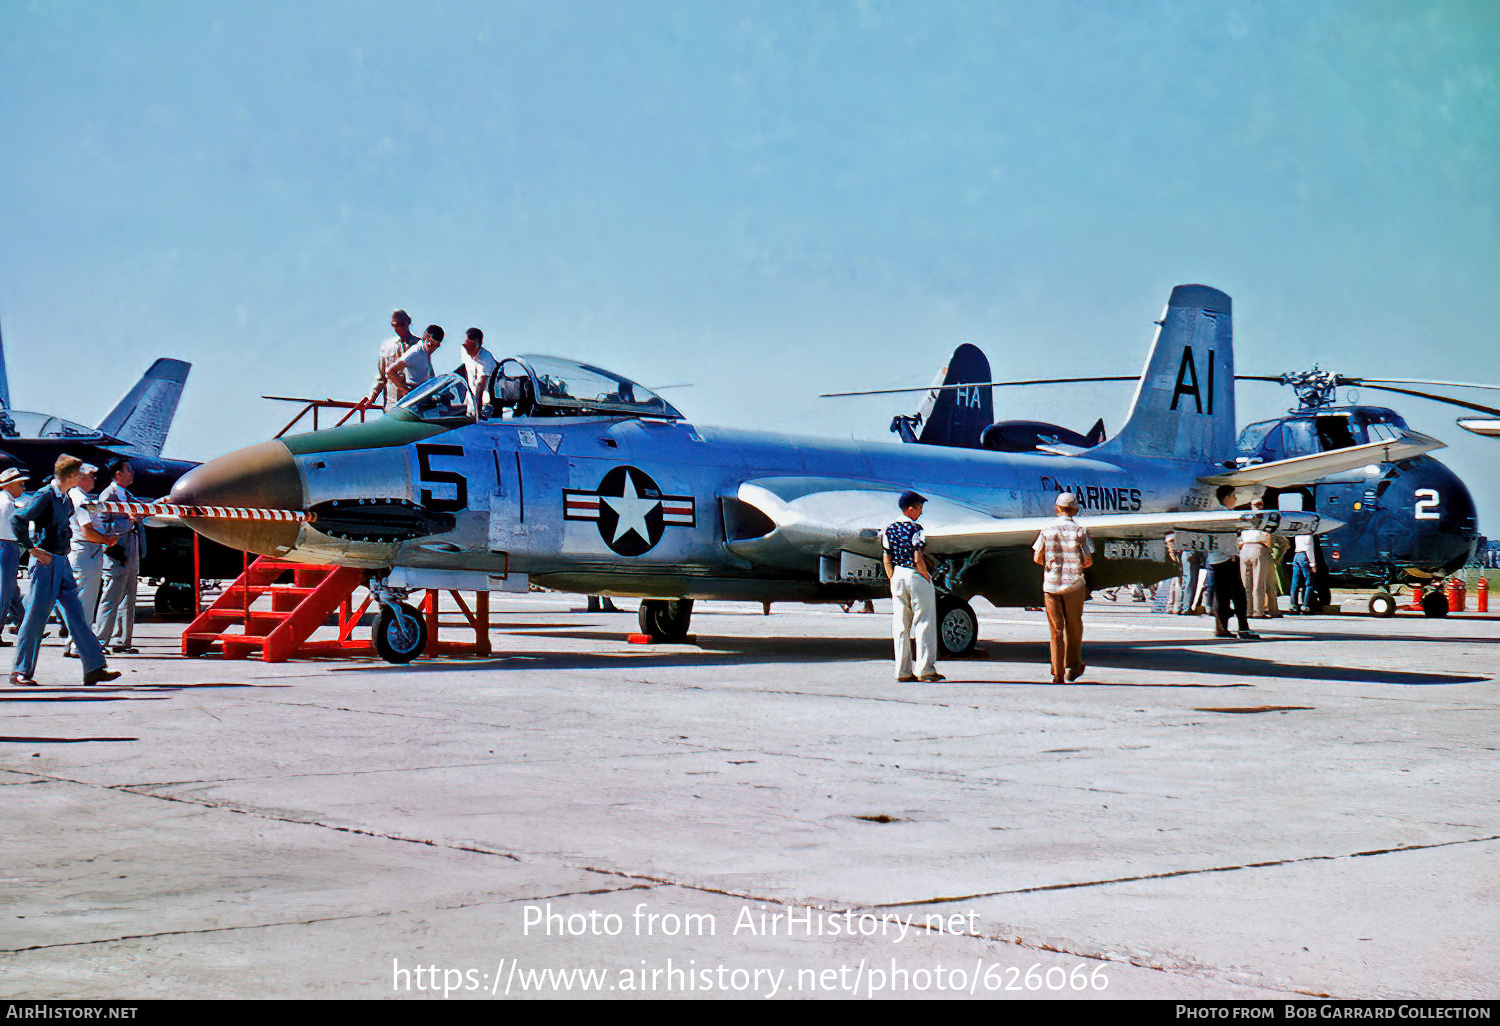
(913, 600)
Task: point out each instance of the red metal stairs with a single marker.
(295, 611)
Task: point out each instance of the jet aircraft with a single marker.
(581, 480)
(137, 429)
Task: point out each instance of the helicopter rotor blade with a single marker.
(977, 384)
(1435, 398)
(1418, 381)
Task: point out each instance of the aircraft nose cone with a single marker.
(262, 477)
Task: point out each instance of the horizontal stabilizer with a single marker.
(1309, 469)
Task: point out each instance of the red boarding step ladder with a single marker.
(282, 631)
(296, 610)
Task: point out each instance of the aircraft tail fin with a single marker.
(143, 418)
(4, 379)
(956, 416)
(1096, 434)
(1184, 403)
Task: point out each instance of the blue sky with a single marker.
(768, 200)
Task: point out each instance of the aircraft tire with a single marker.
(173, 602)
(957, 627)
(665, 619)
(1435, 603)
(400, 633)
(1382, 604)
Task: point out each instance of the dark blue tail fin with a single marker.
(956, 416)
(143, 418)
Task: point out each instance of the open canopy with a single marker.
(562, 387)
(539, 386)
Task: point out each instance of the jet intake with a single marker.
(379, 520)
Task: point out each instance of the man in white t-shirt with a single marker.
(1304, 567)
(414, 366)
(479, 367)
(87, 553)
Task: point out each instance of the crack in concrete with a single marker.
(261, 814)
(183, 933)
(1400, 849)
(323, 919)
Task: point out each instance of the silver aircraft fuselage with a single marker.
(629, 506)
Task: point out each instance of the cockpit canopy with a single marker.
(1305, 433)
(560, 387)
(25, 424)
(443, 398)
(539, 386)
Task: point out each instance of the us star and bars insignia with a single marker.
(630, 510)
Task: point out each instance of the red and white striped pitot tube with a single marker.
(167, 509)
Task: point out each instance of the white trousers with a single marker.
(88, 571)
(914, 614)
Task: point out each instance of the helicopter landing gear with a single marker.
(1382, 604)
(666, 619)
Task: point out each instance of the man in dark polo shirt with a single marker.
(913, 600)
(44, 527)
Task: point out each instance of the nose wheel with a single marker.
(400, 633)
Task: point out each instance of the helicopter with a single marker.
(1408, 521)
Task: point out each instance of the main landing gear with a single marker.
(666, 620)
(957, 627)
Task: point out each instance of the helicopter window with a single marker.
(442, 398)
(1298, 438)
(1252, 439)
(1334, 433)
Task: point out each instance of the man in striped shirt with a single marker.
(1064, 552)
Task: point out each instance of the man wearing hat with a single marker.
(1063, 552)
(12, 487)
(913, 601)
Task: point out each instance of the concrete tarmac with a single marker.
(765, 814)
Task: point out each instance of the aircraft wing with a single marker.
(1309, 469)
(824, 516)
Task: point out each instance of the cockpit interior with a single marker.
(538, 386)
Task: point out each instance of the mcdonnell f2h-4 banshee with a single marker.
(576, 479)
